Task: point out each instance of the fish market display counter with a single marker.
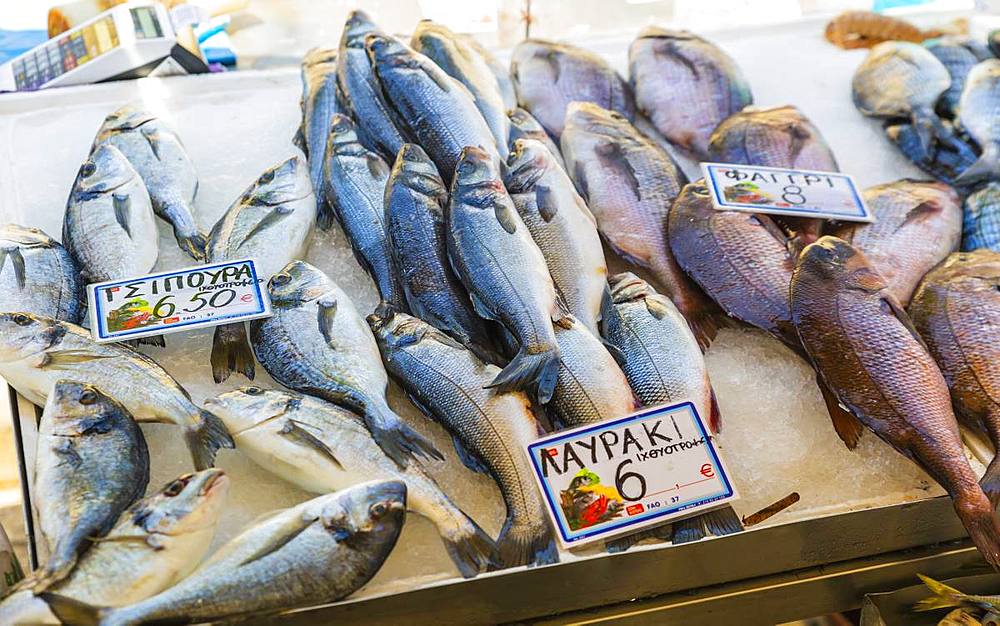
(866, 520)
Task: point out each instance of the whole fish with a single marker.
(981, 219)
(562, 226)
(36, 352)
(272, 223)
(434, 108)
(548, 76)
(415, 202)
(109, 228)
(158, 156)
(954, 309)
(37, 275)
(320, 102)
(499, 70)
(899, 79)
(977, 114)
(496, 259)
(629, 184)
(959, 55)
(321, 447)
(155, 543)
(685, 85)
(361, 90)
(465, 64)
(947, 157)
(91, 463)
(317, 343)
(865, 347)
(447, 382)
(317, 552)
(524, 126)
(917, 224)
(354, 182)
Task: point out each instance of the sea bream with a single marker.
(977, 115)
(271, 223)
(320, 101)
(38, 275)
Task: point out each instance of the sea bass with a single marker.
(36, 352)
(317, 343)
(321, 447)
(320, 102)
(865, 347)
(524, 126)
(977, 114)
(91, 464)
(685, 85)
(159, 157)
(981, 219)
(272, 223)
(447, 382)
(38, 275)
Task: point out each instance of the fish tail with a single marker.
(925, 123)
(985, 167)
(468, 545)
(525, 371)
(944, 596)
(661, 532)
(194, 244)
(73, 612)
(231, 352)
(58, 567)
(325, 216)
(396, 438)
(990, 481)
(705, 323)
(205, 438)
(978, 517)
(526, 544)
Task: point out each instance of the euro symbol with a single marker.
(707, 470)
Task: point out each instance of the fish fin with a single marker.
(526, 544)
(294, 431)
(326, 312)
(470, 548)
(580, 180)
(714, 415)
(722, 521)
(611, 156)
(17, 260)
(546, 204)
(469, 460)
(122, 203)
(205, 438)
(397, 439)
(987, 166)
(194, 244)
(231, 352)
(71, 611)
(921, 210)
(376, 166)
(274, 216)
(848, 427)
(480, 307)
(506, 216)
(283, 535)
(980, 522)
(616, 353)
(990, 481)
(687, 530)
(325, 216)
(59, 359)
(530, 370)
(705, 325)
(944, 596)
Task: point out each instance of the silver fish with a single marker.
(977, 113)
(320, 101)
(317, 343)
(447, 382)
(499, 71)
(354, 183)
(505, 272)
(321, 447)
(272, 223)
(38, 275)
(548, 76)
(562, 226)
(524, 126)
(36, 352)
(319, 551)
(158, 156)
(91, 464)
(685, 85)
(109, 228)
(452, 54)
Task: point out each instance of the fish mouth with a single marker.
(213, 482)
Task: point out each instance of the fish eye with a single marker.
(88, 169)
(377, 510)
(89, 396)
(175, 487)
(21, 319)
(267, 176)
(466, 167)
(281, 279)
(254, 391)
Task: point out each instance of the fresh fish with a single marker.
(978, 116)
(524, 126)
(361, 90)
(562, 226)
(917, 224)
(959, 55)
(865, 347)
(321, 447)
(465, 64)
(109, 228)
(435, 109)
(354, 184)
(317, 552)
(37, 275)
(155, 543)
(447, 382)
(494, 255)
(90, 465)
(899, 79)
(954, 309)
(36, 352)
(548, 76)
(946, 159)
(320, 102)
(272, 223)
(317, 343)
(685, 85)
(158, 156)
(981, 219)
(415, 201)
(629, 184)
(499, 71)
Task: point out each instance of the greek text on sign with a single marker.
(156, 304)
(800, 193)
(623, 474)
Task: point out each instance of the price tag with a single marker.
(620, 475)
(799, 193)
(156, 304)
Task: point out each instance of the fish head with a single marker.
(298, 282)
(186, 504)
(588, 127)
(127, 117)
(388, 52)
(25, 236)
(343, 132)
(358, 26)
(80, 409)
(830, 259)
(242, 409)
(105, 170)
(369, 514)
(23, 335)
(431, 37)
(627, 287)
(394, 330)
(477, 178)
(414, 169)
(283, 183)
(527, 163)
(319, 56)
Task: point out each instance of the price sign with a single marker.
(156, 304)
(798, 193)
(620, 475)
